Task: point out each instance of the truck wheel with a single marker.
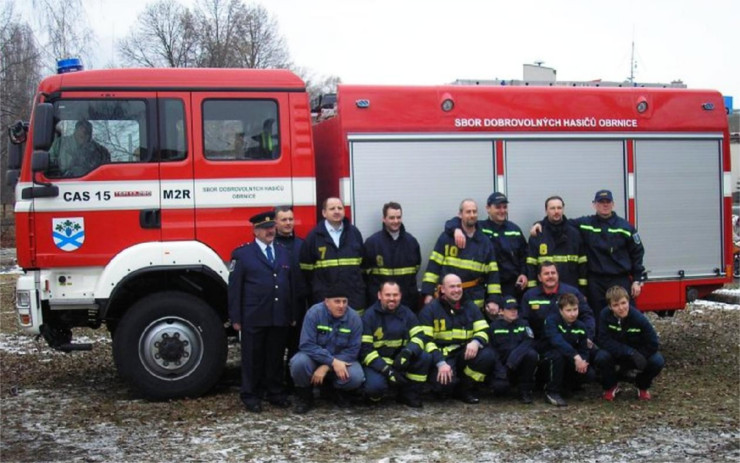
(170, 345)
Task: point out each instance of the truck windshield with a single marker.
(91, 133)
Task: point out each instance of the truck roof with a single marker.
(175, 79)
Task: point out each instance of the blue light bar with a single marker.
(69, 65)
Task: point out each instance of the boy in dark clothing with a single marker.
(511, 339)
(627, 340)
(567, 359)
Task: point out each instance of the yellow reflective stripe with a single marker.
(427, 330)
(482, 334)
(619, 230)
(388, 360)
(474, 375)
(465, 264)
(437, 257)
(443, 335)
(417, 378)
(582, 282)
(431, 347)
(493, 266)
(531, 284)
(306, 266)
(493, 289)
(480, 325)
(388, 343)
(479, 303)
(578, 331)
(370, 357)
(416, 330)
(558, 259)
(590, 228)
(544, 301)
(615, 327)
(394, 271)
(430, 277)
(345, 330)
(500, 331)
(418, 342)
(634, 330)
(519, 329)
(531, 261)
(447, 349)
(367, 338)
(338, 262)
(512, 233)
(323, 328)
(582, 259)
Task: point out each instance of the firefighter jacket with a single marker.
(448, 328)
(397, 260)
(537, 305)
(475, 265)
(562, 245)
(325, 265)
(621, 337)
(298, 289)
(509, 246)
(324, 338)
(510, 340)
(567, 339)
(385, 333)
(613, 246)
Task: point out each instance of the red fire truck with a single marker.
(135, 184)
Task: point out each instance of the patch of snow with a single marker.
(715, 305)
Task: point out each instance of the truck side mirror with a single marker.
(43, 126)
(40, 161)
(15, 156)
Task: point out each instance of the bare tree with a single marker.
(261, 45)
(64, 29)
(19, 75)
(219, 23)
(164, 36)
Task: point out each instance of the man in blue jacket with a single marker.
(329, 348)
(260, 309)
(628, 340)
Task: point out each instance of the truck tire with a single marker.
(170, 345)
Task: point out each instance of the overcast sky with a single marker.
(438, 41)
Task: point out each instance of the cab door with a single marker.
(242, 163)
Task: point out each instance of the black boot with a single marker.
(466, 391)
(303, 399)
(409, 395)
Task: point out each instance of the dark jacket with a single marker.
(509, 245)
(561, 244)
(398, 260)
(259, 292)
(613, 246)
(537, 305)
(475, 265)
(632, 333)
(510, 340)
(299, 289)
(325, 265)
(385, 333)
(448, 329)
(567, 339)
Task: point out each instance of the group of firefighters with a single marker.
(495, 311)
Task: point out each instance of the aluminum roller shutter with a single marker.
(678, 203)
(571, 169)
(428, 179)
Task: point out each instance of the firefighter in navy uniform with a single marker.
(559, 241)
(475, 265)
(285, 236)
(260, 309)
(512, 340)
(392, 350)
(614, 251)
(456, 335)
(508, 241)
(541, 301)
(393, 254)
(332, 255)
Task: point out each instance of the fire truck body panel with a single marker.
(398, 143)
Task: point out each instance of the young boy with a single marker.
(511, 339)
(567, 358)
(628, 340)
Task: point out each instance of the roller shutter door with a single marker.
(678, 202)
(428, 179)
(572, 169)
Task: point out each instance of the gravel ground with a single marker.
(73, 407)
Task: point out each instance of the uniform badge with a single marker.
(232, 265)
(636, 238)
(68, 233)
(529, 332)
(535, 307)
(543, 249)
(379, 260)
